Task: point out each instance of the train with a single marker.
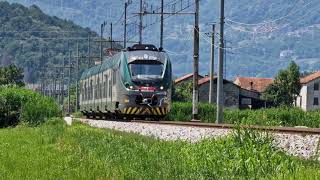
(134, 83)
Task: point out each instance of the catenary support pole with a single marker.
(125, 25)
(195, 97)
(89, 52)
(101, 37)
(63, 78)
(141, 23)
(220, 95)
(212, 66)
(77, 80)
(111, 36)
(161, 24)
(69, 85)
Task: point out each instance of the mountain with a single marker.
(262, 36)
(33, 40)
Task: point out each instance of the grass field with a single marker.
(55, 151)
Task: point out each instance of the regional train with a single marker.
(134, 83)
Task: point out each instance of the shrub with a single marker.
(282, 116)
(38, 110)
(12, 101)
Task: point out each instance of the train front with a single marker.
(147, 79)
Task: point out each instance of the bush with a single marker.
(183, 112)
(282, 116)
(38, 110)
(16, 103)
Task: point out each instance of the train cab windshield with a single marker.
(146, 69)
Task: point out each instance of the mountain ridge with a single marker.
(281, 35)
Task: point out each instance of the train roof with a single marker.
(107, 64)
(136, 52)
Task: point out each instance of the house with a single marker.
(309, 96)
(243, 93)
(231, 92)
(185, 79)
(253, 83)
(251, 89)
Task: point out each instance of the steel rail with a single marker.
(290, 130)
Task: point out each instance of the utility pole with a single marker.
(195, 99)
(101, 37)
(89, 51)
(161, 24)
(62, 91)
(69, 83)
(141, 23)
(77, 81)
(212, 66)
(111, 36)
(220, 95)
(125, 25)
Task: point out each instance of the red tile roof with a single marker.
(187, 76)
(207, 80)
(253, 83)
(310, 77)
(203, 80)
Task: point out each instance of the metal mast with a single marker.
(195, 98)
(220, 95)
(212, 66)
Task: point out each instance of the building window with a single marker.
(316, 101)
(316, 87)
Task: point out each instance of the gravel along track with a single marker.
(304, 146)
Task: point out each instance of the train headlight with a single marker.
(161, 87)
(131, 87)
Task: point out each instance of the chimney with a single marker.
(251, 85)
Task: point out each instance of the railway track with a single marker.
(297, 141)
(276, 129)
(291, 130)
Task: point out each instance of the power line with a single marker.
(151, 24)
(274, 29)
(274, 20)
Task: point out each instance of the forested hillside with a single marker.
(262, 36)
(33, 40)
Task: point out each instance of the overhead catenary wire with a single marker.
(274, 20)
(242, 29)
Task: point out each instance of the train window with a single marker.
(114, 77)
(98, 88)
(146, 69)
(85, 91)
(105, 86)
(91, 90)
(110, 88)
(81, 90)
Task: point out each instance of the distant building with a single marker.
(185, 79)
(251, 89)
(231, 92)
(253, 83)
(243, 93)
(309, 96)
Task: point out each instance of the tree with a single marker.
(286, 86)
(11, 75)
(182, 92)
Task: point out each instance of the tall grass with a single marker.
(56, 151)
(283, 116)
